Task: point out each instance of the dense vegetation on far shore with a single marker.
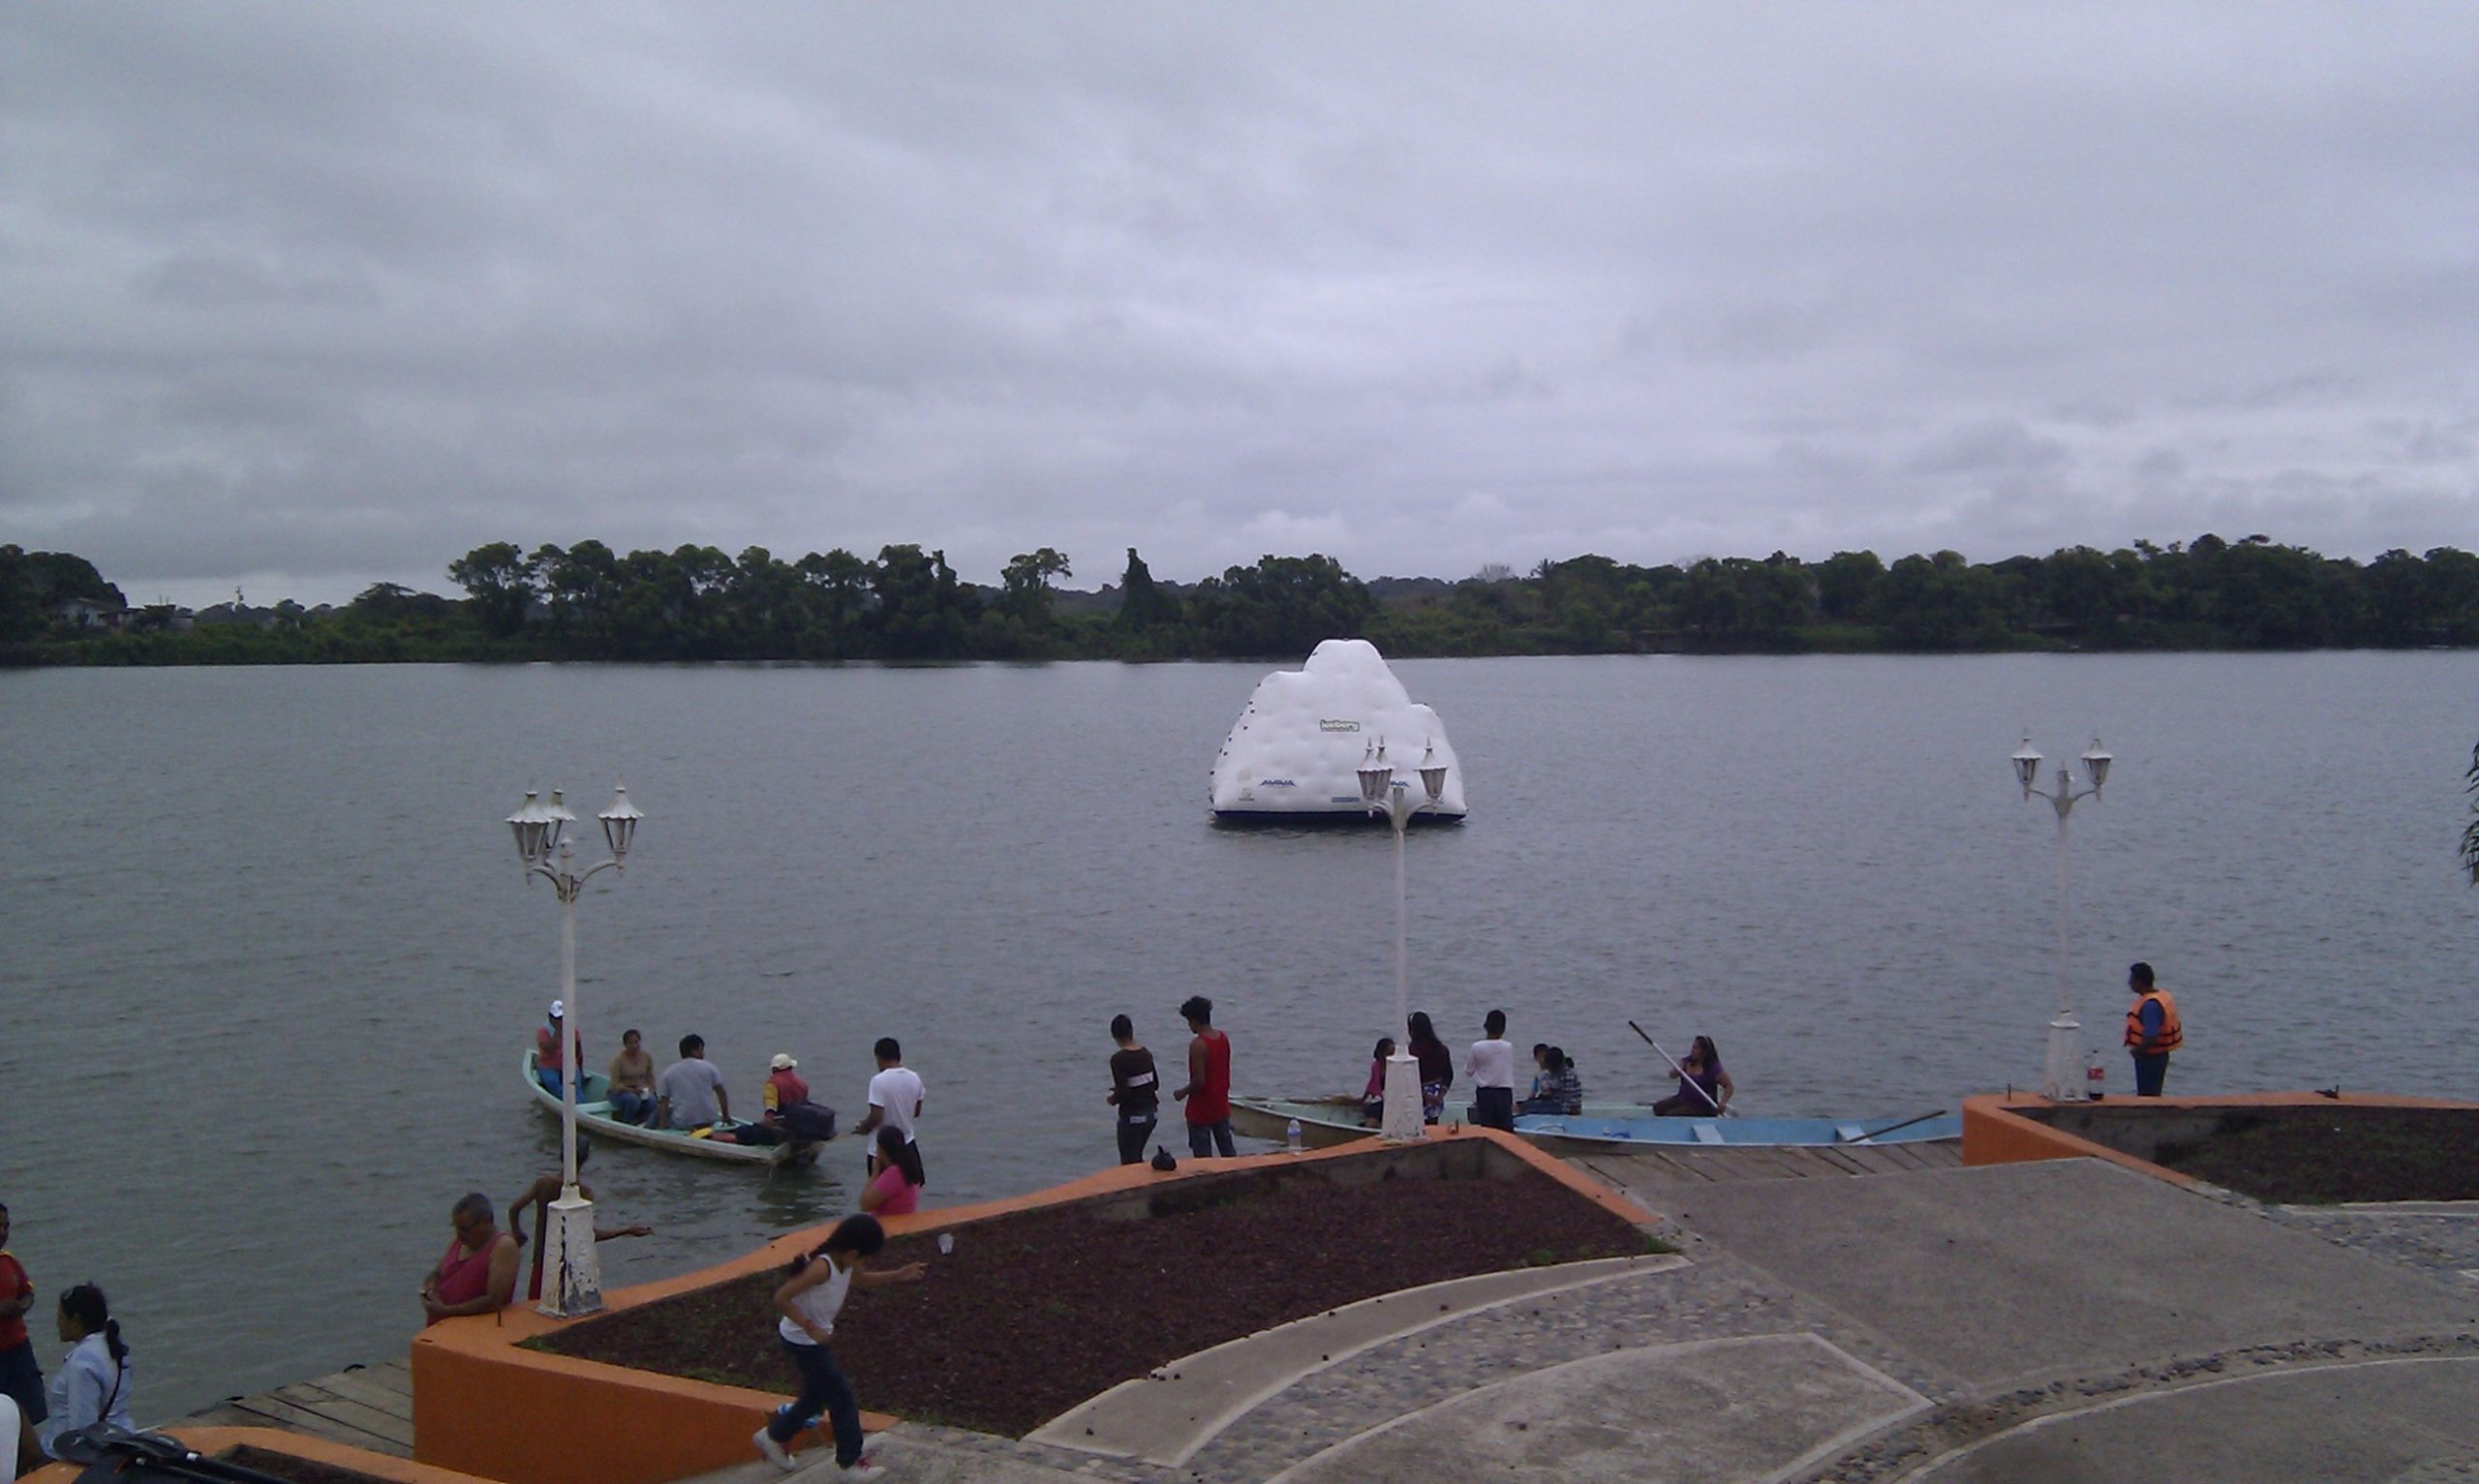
(587, 602)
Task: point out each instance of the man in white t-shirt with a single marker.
(1491, 1067)
(895, 1102)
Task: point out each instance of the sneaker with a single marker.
(862, 1467)
(774, 1451)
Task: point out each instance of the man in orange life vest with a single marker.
(2153, 1031)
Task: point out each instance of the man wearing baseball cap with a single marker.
(551, 1047)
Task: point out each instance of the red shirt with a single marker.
(14, 1284)
(550, 1051)
(783, 1089)
(1210, 1102)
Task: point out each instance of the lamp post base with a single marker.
(573, 1275)
(2061, 1079)
(1401, 1123)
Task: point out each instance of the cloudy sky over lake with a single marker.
(310, 295)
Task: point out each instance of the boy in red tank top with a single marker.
(1208, 1095)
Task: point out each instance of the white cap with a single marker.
(559, 1008)
(781, 1063)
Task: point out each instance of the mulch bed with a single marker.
(1040, 1310)
(294, 1471)
(2313, 1155)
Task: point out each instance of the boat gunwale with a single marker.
(645, 1137)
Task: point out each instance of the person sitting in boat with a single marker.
(1705, 1089)
(1437, 1066)
(689, 1094)
(1570, 1087)
(891, 1192)
(551, 1048)
(1556, 1092)
(1372, 1098)
(784, 1087)
(544, 1190)
(632, 1080)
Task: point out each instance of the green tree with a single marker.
(1143, 605)
(501, 582)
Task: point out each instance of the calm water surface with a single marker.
(266, 963)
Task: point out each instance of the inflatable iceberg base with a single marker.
(1294, 756)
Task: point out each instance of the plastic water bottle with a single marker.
(1291, 1134)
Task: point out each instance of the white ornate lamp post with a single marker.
(1384, 793)
(2063, 1077)
(575, 1276)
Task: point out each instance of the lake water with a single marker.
(268, 963)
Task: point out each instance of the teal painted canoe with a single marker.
(1604, 1127)
(594, 1117)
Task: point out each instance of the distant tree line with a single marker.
(698, 604)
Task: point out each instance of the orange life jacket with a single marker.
(2172, 1034)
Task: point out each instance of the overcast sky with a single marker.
(310, 295)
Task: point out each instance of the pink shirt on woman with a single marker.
(903, 1196)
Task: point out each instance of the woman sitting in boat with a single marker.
(892, 1191)
(1557, 1091)
(1705, 1089)
(1372, 1098)
(1437, 1066)
(632, 1079)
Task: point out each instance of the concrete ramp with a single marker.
(1705, 1412)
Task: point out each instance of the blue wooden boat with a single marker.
(594, 1117)
(1604, 1128)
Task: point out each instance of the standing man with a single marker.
(1490, 1064)
(1136, 1091)
(689, 1094)
(20, 1375)
(2153, 1031)
(895, 1102)
(1207, 1093)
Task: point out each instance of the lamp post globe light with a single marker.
(574, 1284)
(1385, 794)
(2063, 1074)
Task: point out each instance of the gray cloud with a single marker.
(340, 292)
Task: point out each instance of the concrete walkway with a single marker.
(2051, 1322)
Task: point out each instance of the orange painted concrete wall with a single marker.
(212, 1440)
(1995, 1131)
(484, 1406)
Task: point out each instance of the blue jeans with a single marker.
(1204, 1138)
(549, 1078)
(2147, 1072)
(823, 1388)
(633, 1106)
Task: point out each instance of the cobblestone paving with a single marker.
(1718, 1297)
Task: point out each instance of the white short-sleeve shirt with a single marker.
(896, 1092)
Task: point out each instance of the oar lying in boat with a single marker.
(1684, 1081)
(1861, 1139)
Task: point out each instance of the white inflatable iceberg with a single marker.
(1298, 748)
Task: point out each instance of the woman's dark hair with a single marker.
(1122, 1028)
(1711, 1053)
(1553, 1060)
(1423, 1034)
(893, 1148)
(1385, 1048)
(859, 1235)
(85, 1303)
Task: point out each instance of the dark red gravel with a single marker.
(1037, 1310)
(2309, 1154)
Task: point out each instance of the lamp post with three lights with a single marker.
(2063, 1075)
(1382, 793)
(573, 1283)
